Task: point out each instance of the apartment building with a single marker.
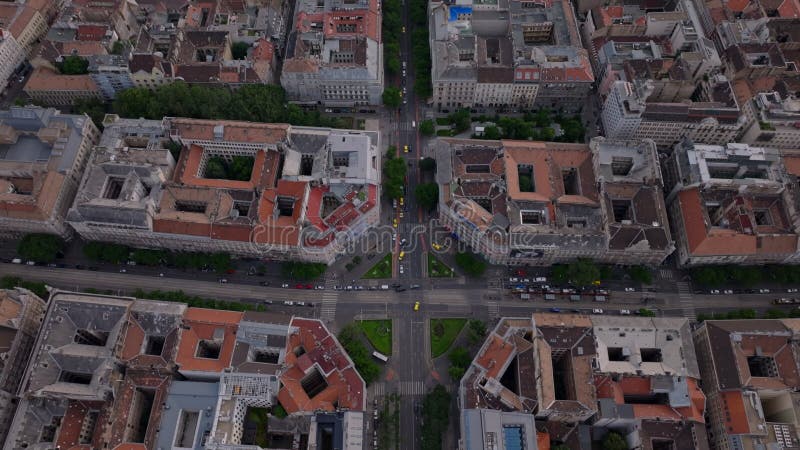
(569, 379)
(21, 312)
(334, 54)
(111, 74)
(508, 55)
(26, 21)
(648, 382)
(150, 71)
(629, 112)
(51, 88)
(43, 154)
(731, 205)
(12, 56)
(540, 203)
(750, 377)
(123, 373)
(310, 192)
(774, 121)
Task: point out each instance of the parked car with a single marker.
(763, 291)
(625, 312)
(597, 311)
(223, 280)
(264, 283)
(791, 290)
(16, 261)
(284, 285)
(714, 291)
(630, 289)
(555, 310)
(728, 291)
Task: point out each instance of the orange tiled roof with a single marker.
(792, 163)
(704, 241)
(47, 80)
(789, 9)
(198, 129)
(22, 21)
(495, 356)
(736, 417)
(203, 323)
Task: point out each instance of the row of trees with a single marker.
(37, 287)
(420, 47)
(302, 271)
(529, 127)
(239, 168)
(252, 102)
(745, 275)
(195, 301)
(391, 32)
(350, 338)
(40, 247)
(435, 417)
(427, 195)
(117, 254)
(394, 174)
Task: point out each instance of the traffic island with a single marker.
(379, 334)
(383, 269)
(437, 269)
(443, 333)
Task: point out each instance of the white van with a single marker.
(384, 287)
(380, 356)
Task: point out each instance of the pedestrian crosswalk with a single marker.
(665, 274)
(378, 389)
(411, 388)
(494, 309)
(329, 298)
(685, 298)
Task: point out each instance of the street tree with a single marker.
(392, 97)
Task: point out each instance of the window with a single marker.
(346, 28)
(154, 345)
(762, 217)
(75, 377)
(285, 206)
(187, 427)
(113, 187)
(265, 356)
(571, 181)
(208, 349)
(532, 217)
(651, 354)
(190, 206)
(762, 366)
(621, 165)
(527, 183)
(618, 354)
(313, 383)
(91, 337)
(477, 168)
(622, 210)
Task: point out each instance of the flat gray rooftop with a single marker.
(26, 149)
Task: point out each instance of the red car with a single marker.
(298, 286)
(521, 273)
(230, 271)
(308, 286)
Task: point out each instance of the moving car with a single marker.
(436, 246)
(405, 149)
(416, 306)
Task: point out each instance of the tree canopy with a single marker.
(74, 65)
(614, 441)
(239, 50)
(427, 127)
(39, 247)
(427, 195)
(392, 97)
(582, 272)
(435, 417)
(252, 102)
(472, 265)
(394, 177)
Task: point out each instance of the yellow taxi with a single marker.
(394, 222)
(416, 306)
(405, 149)
(402, 201)
(401, 255)
(404, 28)
(436, 246)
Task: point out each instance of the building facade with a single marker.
(43, 159)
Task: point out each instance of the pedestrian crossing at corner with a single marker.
(685, 298)
(494, 309)
(411, 388)
(665, 274)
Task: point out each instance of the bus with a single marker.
(380, 356)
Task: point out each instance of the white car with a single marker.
(763, 291)
(714, 291)
(401, 269)
(288, 303)
(597, 311)
(285, 285)
(630, 289)
(791, 291)
(320, 287)
(728, 291)
(625, 312)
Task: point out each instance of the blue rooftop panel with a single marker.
(512, 437)
(455, 11)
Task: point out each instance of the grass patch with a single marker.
(438, 269)
(379, 334)
(443, 333)
(443, 121)
(445, 132)
(258, 416)
(382, 269)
